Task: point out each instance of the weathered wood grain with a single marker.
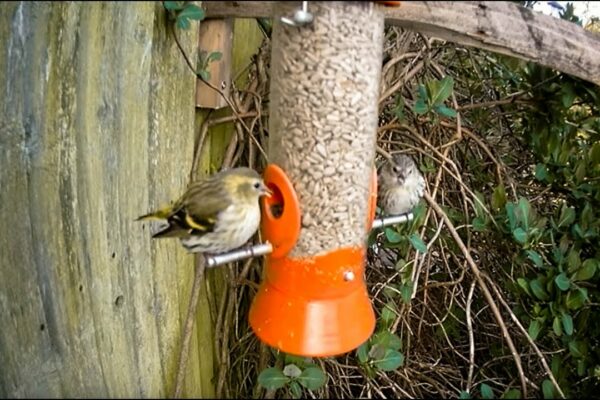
(502, 27)
(96, 127)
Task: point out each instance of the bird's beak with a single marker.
(266, 191)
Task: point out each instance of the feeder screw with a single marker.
(301, 16)
(348, 276)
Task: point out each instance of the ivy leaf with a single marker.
(587, 270)
(183, 23)
(272, 378)
(499, 197)
(486, 391)
(538, 289)
(557, 327)
(445, 111)
(534, 329)
(479, 224)
(363, 352)
(420, 107)
(418, 243)
(541, 172)
(562, 282)
(567, 216)
(520, 235)
(192, 11)
(567, 323)
(548, 389)
(443, 90)
(576, 298)
(174, 5)
(296, 390)
(312, 378)
(392, 235)
(390, 361)
(512, 394)
(535, 257)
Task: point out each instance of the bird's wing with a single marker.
(196, 212)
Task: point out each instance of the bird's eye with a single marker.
(257, 185)
(396, 169)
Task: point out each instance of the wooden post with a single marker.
(96, 128)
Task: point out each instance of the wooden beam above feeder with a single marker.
(500, 27)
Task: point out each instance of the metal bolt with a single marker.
(348, 276)
(301, 16)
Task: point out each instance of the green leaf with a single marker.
(204, 74)
(294, 359)
(538, 289)
(406, 292)
(557, 327)
(587, 270)
(578, 348)
(522, 282)
(568, 95)
(567, 216)
(567, 323)
(548, 389)
(520, 235)
(272, 378)
(464, 395)
(363, 352)
(576, 298)
(562, 282)
(192, 11)
(295, 390)
(535, 257)
(510, 213)
(214, 56)
(312, 378)
(388, 313)
(445, 111)
(292, 371)
(377, 351)
(183, 22)
(479, 224)
(534, 329)
(541, 172)
(524, 211)
(391, 360)
(443, 90)
(486, 391)
(418, 243)
(423, 93)
(512, 394)
(420, 107)
(594, 154)
(498, 197)
(174, 5)
(392, 235)
(387, 340)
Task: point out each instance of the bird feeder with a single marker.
(325, 73)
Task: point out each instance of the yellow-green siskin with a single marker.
(401, 185)
(217, 214)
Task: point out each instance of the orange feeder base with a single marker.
(315, 307)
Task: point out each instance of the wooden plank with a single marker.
(215, 35)
(501, 27)
(96, 128)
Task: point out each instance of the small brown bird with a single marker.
(217, 214)
(401, 185)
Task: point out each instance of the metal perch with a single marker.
(266, 248)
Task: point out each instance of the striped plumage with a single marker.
(401, 185)
(217, 214)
